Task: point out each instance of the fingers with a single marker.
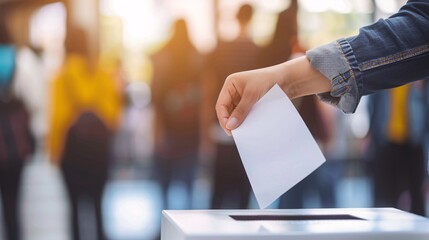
(242, 109)
(225, 105)
(233, 105)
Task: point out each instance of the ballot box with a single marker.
(308, 224)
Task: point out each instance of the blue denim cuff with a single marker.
(337, 62)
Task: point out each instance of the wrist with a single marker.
(299, 79)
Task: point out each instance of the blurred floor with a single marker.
(132, 205)
(43, 205)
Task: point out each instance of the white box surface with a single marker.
(296, 224)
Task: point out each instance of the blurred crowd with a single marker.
(93, 123)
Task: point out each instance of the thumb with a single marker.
(241, 111)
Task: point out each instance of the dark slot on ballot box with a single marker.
(295, 217)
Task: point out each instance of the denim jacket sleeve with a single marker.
(386, 54)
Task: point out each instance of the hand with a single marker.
(242, 90)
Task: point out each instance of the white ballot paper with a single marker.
(276, 147)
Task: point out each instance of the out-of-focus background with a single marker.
(107, 114)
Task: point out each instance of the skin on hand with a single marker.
(239, 93)
(242, 90)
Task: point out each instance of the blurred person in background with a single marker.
(284, 42)
(16, 139)
(229, 177)
(285, 46)
(176, 94)
(398, 132)
(86, 105)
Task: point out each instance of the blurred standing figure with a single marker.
(176, 102)
(285, 38)
(16, 140)
(283, 47)
(398, 133)
(230, 180)
(85, 110)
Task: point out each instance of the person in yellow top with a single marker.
(78, 87)
(86, 107)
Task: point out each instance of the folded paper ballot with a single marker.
(276, 147)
